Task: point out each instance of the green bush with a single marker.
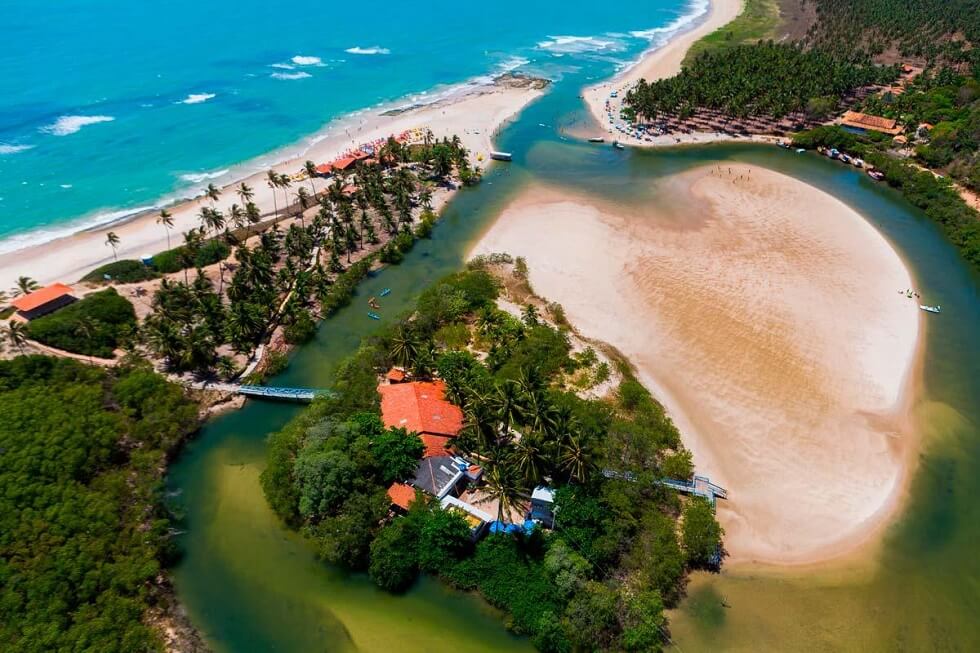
(175, 260)
(93, 326)
(300, 330)
(124, 271)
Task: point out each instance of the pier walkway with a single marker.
(267, 392)
(701, 485)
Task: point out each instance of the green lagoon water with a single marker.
(250, 585)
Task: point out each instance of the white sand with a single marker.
(474, 117)
(765, 314)
(658, 64)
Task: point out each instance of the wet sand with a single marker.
(765, 314)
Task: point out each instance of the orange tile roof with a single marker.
(324, 169)
(343, 164)
(39, 298)
(401, 495)
(420, 407)
(396, 375)
(875, 123)
(435, 445)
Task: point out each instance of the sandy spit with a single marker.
(767, 316)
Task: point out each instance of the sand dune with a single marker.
(765, 314)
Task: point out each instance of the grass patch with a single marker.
(757, 21)
(125, 271)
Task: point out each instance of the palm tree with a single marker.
(85, 327)
(237, 216)
(245, 193)
(3, 297)
(310, 169)
(303, 199)
(502, 487)
(112, 240)
(252, 214)
(167, 221)
(213, 193)
(17, 334)
(404, 347)
(529, 458)
(575, 459)
(508, 403)
(530, 315)
(25, 285)
(272, 181)
(284, 183)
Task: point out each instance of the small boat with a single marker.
(385, 292)
(876, 175)
(501, 156)
(374, 316)
(931, 309)
(800, 150)
(845, 158)
(618, 145)
(833, 153)
(597, 139)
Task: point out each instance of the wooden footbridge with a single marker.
(701, 486)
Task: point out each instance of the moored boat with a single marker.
(618, 145)
(501, 156)
(597, 139)
(374, 316)
(931, 309)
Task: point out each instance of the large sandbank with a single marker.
(475, 115)
(765, 314)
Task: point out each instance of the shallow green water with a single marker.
(249, 585)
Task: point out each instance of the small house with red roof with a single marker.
(42, 302)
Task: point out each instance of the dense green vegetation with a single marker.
(601, 579)
(124, 271)
(767, 79)
(95, 325)
(296, 276)
(934, 30)
(196, 253)
(757, 21)
(950, 102)
(83, 535)
(934, 195)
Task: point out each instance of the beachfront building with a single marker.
(862, 123)
(42, 302)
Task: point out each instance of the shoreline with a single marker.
(829, 418)
(473, 111)
(658, 63)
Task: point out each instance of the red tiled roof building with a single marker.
(421, 407)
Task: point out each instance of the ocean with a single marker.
(108, 108)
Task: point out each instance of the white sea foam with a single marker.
(698, 8)
(512, 64)
(38, 236)
(65, 185)
(297, 75)
(200, 177)
(65, 125)
(13, 149)
(563, 44)
(282, 66)
(198, 98)
(301, 60)
(374, 49)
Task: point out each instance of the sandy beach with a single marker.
(474, 115)
(779, 342)
(657, 64)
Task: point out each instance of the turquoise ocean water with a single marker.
(108, 107)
